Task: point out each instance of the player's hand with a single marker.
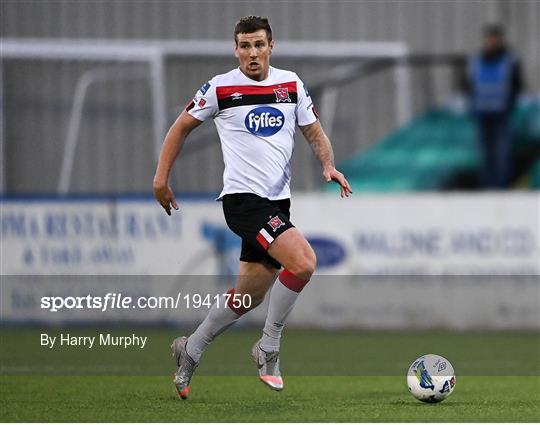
(331, 174)
(164, 195)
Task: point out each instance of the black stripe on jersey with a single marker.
(253, 99)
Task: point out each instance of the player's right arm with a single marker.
(203, 106)
(172, 145)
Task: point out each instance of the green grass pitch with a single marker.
(226, 389)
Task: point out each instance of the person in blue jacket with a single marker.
(493, 82)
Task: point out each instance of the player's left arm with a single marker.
(322, 148)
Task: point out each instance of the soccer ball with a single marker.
(431, 378)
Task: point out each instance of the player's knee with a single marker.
(304, 266)
(307, 268)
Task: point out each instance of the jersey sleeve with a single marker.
(204, 104)
(305, 110)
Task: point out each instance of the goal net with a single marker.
(89, 116)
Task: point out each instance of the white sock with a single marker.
(282, 301)
(217, 321)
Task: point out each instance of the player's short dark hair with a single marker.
(495, 29)
(250, 24)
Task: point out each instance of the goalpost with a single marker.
(351, 58)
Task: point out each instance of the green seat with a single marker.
(534, 175)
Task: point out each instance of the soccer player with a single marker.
(255, 108)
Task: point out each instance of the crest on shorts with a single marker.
(282, 94)
(275, 223)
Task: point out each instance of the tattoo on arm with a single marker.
(320, 144)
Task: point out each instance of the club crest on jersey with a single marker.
(282, 95)
(275, 223)
(202, 102)
(264, 121)
(236, 96)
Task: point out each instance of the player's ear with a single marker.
(271, 45)
(236, 50)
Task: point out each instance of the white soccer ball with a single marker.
(431, 378)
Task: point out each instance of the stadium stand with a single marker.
(534, 175)
(437, 151)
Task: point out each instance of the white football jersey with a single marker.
(256, 121)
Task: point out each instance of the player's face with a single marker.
(253, 51)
